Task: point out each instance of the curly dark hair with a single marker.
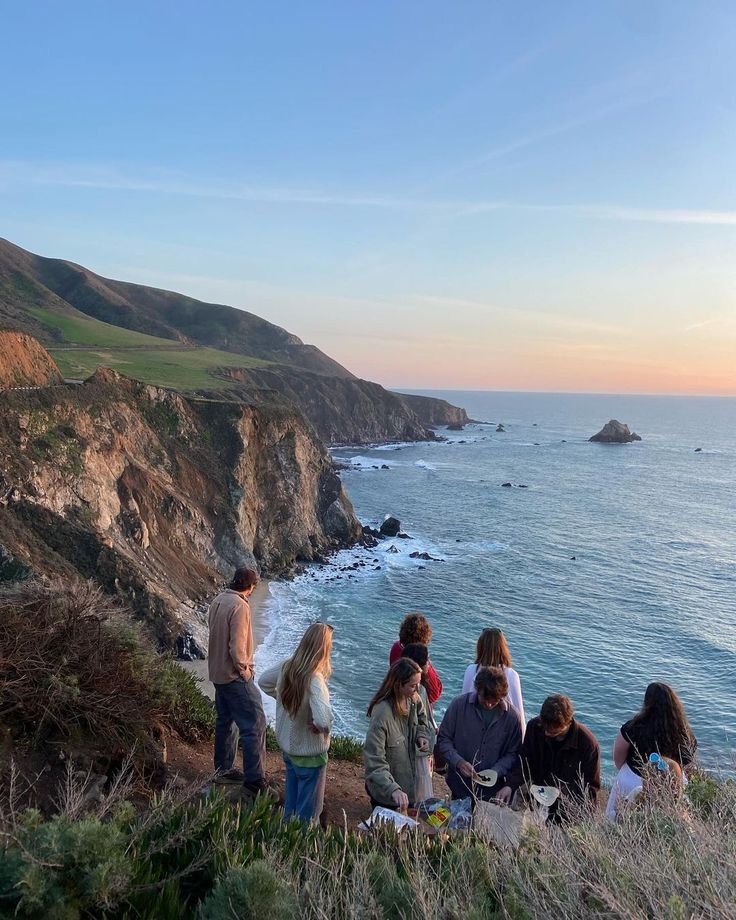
(557, 711)
(415, 628)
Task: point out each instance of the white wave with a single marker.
(425, 465)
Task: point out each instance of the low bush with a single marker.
(66, 655)
(195, 856)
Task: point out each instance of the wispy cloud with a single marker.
(95, 176)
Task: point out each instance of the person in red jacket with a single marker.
(415, 628)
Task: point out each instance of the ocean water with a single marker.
(616, 565)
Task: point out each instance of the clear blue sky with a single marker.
(530, 195)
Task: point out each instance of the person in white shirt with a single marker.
(304, 720)
(492, 651)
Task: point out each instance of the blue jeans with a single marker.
(240, 712)
(305, 791)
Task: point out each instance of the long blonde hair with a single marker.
(311, 656)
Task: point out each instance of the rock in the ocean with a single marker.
(500, 427)
(391, 526)
(392, 549)
(505, 485)
(455, 427)
(615, 432)
(698, 450)
(425, 556)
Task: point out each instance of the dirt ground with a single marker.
(346, 801)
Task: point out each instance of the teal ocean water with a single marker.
(614, 567)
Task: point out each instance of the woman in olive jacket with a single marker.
(398, 732)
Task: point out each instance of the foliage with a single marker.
(253, 893)
(66, 653)
(194, 854)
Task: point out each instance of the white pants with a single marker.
(625, 785)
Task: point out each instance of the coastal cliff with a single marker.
(343, 410)
(157, 496)
(24, 362)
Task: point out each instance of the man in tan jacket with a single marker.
(237, 698)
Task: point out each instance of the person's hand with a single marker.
(504, 795)
(400, 799)
(246, 674)
(313, 728)
(423, 745)
(466, 769)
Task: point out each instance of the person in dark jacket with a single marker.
(481, 730)
(559, 751)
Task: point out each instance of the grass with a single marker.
(161, 362)
(180, 369)
(189, 855)
(85, 330)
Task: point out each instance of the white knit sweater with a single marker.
(293, 734)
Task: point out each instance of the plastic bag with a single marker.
(423, 781)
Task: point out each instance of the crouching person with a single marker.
(481, 731)
(304, 720)
(561, 752)
(397, 735)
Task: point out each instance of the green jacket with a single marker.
(391, 750)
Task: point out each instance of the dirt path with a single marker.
(345, 800)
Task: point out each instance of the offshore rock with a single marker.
(615, 432)
(391, 526)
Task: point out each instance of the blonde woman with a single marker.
(492, 651)
(397, 735)
(304, 720)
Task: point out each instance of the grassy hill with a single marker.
(82, 344)
(51, 298)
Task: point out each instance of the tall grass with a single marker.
(191, 854)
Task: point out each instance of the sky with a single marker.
(470, 195)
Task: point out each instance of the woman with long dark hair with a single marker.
(492, 651)
(397, 734)
(660, 727)
(304, 720)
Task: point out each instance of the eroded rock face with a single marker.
(24, 362)
(615, 432)
(158, 497)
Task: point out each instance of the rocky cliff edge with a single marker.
(157, 496)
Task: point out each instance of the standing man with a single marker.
(559, 751)
(481, 730)
(237, 698)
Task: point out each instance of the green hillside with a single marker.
(86, 343)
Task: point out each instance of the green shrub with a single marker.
(253, 893)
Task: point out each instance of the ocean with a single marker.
(615, 566)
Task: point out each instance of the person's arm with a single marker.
(590, 769)
(522, 771)
(515, 696)
(621, 749)
(446, 736)
(377, 773)
(469, 677)
(433, 684)
(319, 704)
(507, 764)
(269, 679)
(424, 733)
(239, 644)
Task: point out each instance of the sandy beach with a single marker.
(260, 630)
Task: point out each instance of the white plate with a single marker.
(486, 778)
(545, 795)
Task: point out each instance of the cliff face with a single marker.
(158, 497)
(432, 411)
(346, 411)
(24, 363)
